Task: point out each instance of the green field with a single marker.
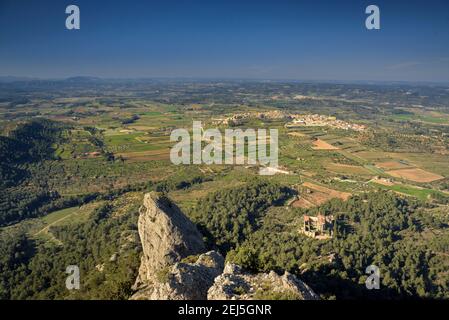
(420, 193)
(422, 118)
(62, 217)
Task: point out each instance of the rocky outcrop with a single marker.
(184, 280)
(236, 284)
(175, 266)
(168, 237)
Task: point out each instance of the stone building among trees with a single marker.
(319, 227)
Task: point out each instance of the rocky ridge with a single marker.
(236, 284)
(176, 266)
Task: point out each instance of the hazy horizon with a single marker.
(13, 78)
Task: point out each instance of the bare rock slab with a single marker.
(236, 284)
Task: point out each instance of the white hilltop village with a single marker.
(295, 120)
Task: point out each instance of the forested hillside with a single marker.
(105, 248)
(229, 216)
(408, 245)
(28, 145)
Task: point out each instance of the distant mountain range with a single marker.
(70, 79)
(85, 79)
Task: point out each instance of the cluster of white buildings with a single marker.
(239, 118)
(295, 120)
(318, 120)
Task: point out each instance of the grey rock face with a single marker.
(175, 267)
(236, 284)
(185, 280)
(168, 237)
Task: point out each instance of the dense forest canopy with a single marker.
(105, 248)
(28, 145)
(380, 229)
(229, 216)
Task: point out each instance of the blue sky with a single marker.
(304, 40)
